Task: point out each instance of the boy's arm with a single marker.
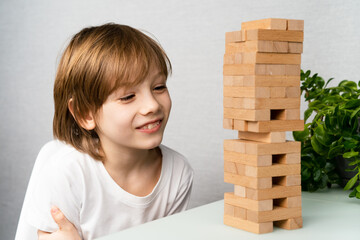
(183, 195)
(55, 185)
(66, 229)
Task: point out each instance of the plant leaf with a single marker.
(358, 195)
(317, 175)
(318, 147)
(322, 136)
(351, 182)
(354, 162)
(350, 154)
(335, 151)
(308, 113)
(301, 135)
(355, 112)
(348, 84)
(353, 193)
(305, 174)
(328, 81)
(352, 103)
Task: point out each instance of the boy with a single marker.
(107, 169)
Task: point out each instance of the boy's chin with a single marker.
(153, 144)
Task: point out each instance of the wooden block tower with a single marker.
(262, 102)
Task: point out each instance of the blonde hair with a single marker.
(97, 61)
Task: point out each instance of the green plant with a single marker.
(332, 133)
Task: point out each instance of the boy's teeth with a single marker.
(151, 125)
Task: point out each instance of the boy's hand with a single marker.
(66, 229)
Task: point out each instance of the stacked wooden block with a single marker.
(262, 102)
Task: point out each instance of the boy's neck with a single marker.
(128, 159)
(134, 170)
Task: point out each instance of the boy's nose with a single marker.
(149, 105)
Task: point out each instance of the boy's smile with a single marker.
(150, 127)
(135, 118)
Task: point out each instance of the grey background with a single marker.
(33, 33)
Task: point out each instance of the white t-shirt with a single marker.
(84, 191)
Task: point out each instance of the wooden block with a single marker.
(270, 137)
(239, 191)
(291, 180)
(258, 148)
(233, 58)
(234, 145)
(285, 114)
(289, 158)
(292, 114)
(248, 225)
(245, 203)
(290, 224)
(274, 35)
(275, 192)
(235, 81)
(289, 202)
(284, 103)
(230, 167)
(292, 70)
(234, 211)
(242, 158)
(277, 92)
(240, 102)
(240, 125)
(270, 58)
(229, 58)
(241, 69)
(281, 47)
(233, 167)
(272, 171)
(269, 23)
(229, 210)
(269, 126)
(293, 92)
(250, 46)
(278, 213)
(247, 92)
(276, 125)
(261, 103)
(297, 25)
(271, 81)
(295, 48)
(240, 212)
(247, 114)
(228, 123)
(249, 182)
(275, 69)
(235, 36)
(260, 69)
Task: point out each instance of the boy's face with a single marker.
(135, 118)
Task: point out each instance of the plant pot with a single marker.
(341, 165)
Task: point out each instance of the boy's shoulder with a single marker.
(56, 153)
(178, 160)
(172, 154)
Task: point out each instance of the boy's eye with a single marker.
(127, 98)
(160, 88)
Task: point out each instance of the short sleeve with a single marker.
(184, 192)
(57, 184)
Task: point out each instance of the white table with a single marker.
(328, 214)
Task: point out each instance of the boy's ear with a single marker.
(88, 122)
